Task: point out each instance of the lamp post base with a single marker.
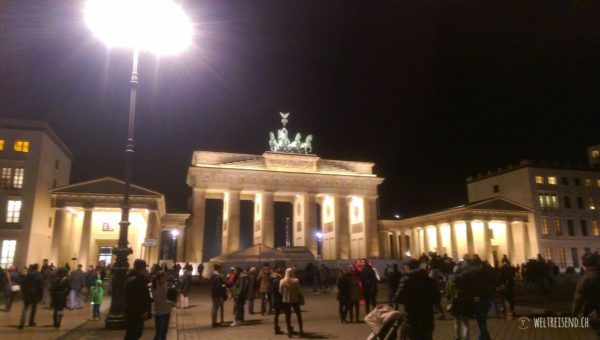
(116, 314)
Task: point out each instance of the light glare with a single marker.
(158, 26)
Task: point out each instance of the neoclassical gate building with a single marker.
(345, 191)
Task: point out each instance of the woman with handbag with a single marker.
(289, 287)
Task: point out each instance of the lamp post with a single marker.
(174, 234)
(158, 26)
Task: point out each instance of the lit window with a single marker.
(562, 257)
(552, 180)
(7, 254)
(548, 253)
(5, 176)
(591, 204)
(545, 227)
(18, 178)
(595, 229)
(548, 201)
(22, 146)
(539, 180)
(553, 202)
(558, 227)
(13, 211)
(1, 144)
(588, 182)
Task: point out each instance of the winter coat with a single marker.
(252, 285)
(393, 278)
(418, 293)
(276, 297)
(369, 281)
(264, 279)
(59, 290)
(587, 293)
(480, 281)
(240, 288)
(217, 289)
(354, 288)
(343, 286)
(96, 293)
(185, 283)
(162, 305)
(137, 296)
(290, 290)
(77, 279)
(458, 295)
(32, 287)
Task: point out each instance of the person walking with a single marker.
(369, 285)
(418, 293)
(96, 295)
(460, 303)
(240, 292)
(77, 285)
(32, 287)
(289, 287)
(506, 288)
(185, 283)
(59, 290)
(587, 292)
(265, 289)
(218, 293)
(252, 288)
(276, 298)
(90, 281)
(393, 278)
(343, 296)
(137, 300)
(162, 305)
(354, 294)
(480, 282)
(14, 286)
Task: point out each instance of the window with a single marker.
(588, 182)
(496, 188)
(13, 211)
(105, 255)
(18, 176)
(564, 181)
(584, 229)
(551, 180)
(558, 227)
(562, 257)
(580, 203)
(567, 202)
(575, 257)
(1, 144)
(598, 182)
(22, 146)
(548, 253)
(571, 227)
(591, 204)
(539, 180)
(553, 202)
(7, 254)
(548, 201)
(595, 229)
(577, 181)
(545, 226)
(5, 177)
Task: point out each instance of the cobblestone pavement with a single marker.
(319, 314)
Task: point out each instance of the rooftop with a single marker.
(527, 163)
(34, 125)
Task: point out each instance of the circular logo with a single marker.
(523, 322)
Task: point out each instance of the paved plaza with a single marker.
(319, 313)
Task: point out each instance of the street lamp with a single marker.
(174, 234)
(157, 26)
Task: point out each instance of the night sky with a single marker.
(431, 91)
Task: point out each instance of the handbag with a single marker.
(15, 288)
(301, 300)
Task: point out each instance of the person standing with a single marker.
(5, 286)
(461, 303)
(354, 294)
(32, 286)
(218, 293)
(240, 292)
(265, 288)
(506, 288)
(480, 283)
(343, 295)
(200, 271)
(184, 287)
(96, 295)
(253, 283)
(276, 298)
(162, 306)
(418, 293)
(90, 280)
(77, 284)
(59, 290)
(587, 292)
(393, 278)
(369, 285)
(289, 287)
(137, 300)
(14, 280)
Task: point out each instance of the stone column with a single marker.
(487, 238)
(415, 243)
(180, 247)
(194, 236)
(86, 235)
(153, 232)
(510, 245)
(402, 250)
(455, 255)
(310, 222)
(426, 248)
(267, 220)
(527, 247)
(438, 239)
(342, 228)
(470, 244)
(231, 221)
(371, 227)
(384, 237)
(57, 235)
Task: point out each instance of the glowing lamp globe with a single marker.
(157, 26)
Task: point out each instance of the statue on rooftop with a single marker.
(283, 144)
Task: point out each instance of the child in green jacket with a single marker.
(96, 295)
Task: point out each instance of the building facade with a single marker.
(564, 200)
(32, 160)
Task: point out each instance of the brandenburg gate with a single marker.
(345, 190)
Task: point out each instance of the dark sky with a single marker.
(431, 91)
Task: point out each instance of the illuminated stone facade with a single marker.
(346, 192)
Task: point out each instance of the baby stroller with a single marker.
(385, 323)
